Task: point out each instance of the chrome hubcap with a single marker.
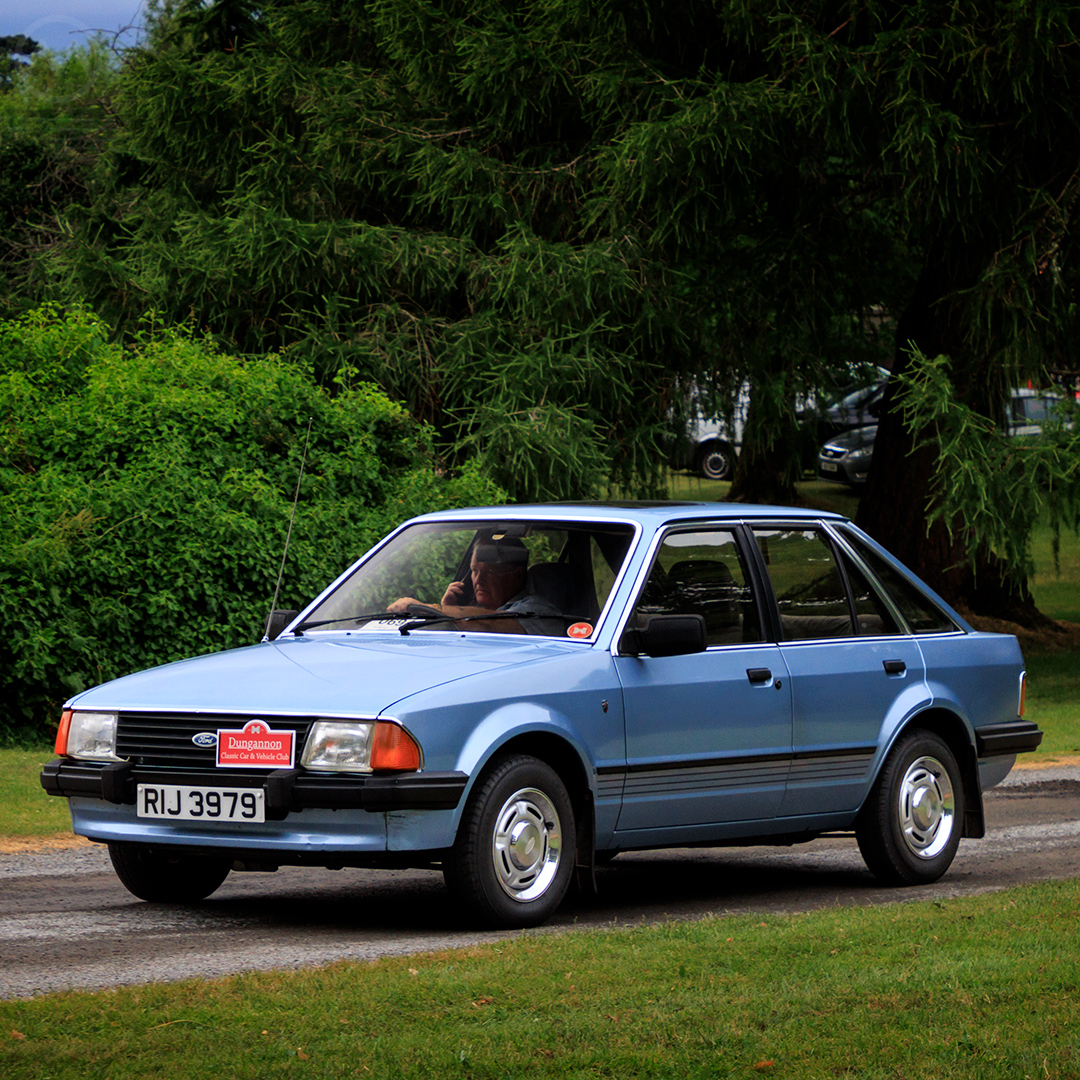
(927, 807)
(526, 845)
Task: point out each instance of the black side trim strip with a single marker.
(705, 763)
(1014, 737)
(738, 759)
(844, 751)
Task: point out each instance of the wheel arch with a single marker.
(952, 729)
(561, 755)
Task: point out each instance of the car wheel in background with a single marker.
(715, 461)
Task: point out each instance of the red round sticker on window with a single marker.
(579, 629)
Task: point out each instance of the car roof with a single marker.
(650, 513)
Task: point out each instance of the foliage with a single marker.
(53, 120)
(399, 191)
(539, 224)
(526, 220)
(991, 486)
(146, 493)
(11, 46)
(965, 120)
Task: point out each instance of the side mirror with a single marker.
(665, 635)
(279, 619)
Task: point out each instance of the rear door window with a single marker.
(820, 593)
(922, 615)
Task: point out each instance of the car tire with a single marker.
(169, 879)
(516, 846)
(911, 825)
(715, 461)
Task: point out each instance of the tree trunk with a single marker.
(768, 464)
(896, 501)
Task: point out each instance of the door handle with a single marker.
(894, 667)
(759, 674)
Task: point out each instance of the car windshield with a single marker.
(535, 577)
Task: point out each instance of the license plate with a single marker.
(828, 466)
(181, 803)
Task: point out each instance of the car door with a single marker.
(708, 735)
(851, 666)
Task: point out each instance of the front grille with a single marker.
(165, 738)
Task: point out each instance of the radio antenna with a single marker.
(288, 535)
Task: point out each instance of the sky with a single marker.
(59, 24)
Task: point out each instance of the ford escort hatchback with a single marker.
(513, 694)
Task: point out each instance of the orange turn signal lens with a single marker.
(1023, 694)
(394, 748)
(62, 733)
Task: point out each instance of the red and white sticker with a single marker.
(255, 746)
(579, 630)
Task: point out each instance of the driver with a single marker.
(498, 572)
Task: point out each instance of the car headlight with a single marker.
(88, 735)
(359, 746)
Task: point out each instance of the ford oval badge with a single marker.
(204, 738)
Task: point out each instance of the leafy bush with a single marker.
(145, 496)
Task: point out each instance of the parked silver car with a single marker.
(846, 457)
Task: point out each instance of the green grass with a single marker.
(984, 987)
(25, 810)
(1056, 588)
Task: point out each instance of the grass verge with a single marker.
(982, 987)
(26, 812)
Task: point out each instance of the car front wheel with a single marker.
(181, 879)
(515, 850)
(910, 828)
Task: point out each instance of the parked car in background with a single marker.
(515, 693)
(1030, 409)
(711, 444)
(846, 457)
(857, 405)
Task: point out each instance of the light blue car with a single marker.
(516, 693)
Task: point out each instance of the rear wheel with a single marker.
(910, 828)
(515, 851)
(716, 462)
(171, 879)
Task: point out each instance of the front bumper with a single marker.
(286, 790)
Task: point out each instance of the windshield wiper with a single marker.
(367, 617)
